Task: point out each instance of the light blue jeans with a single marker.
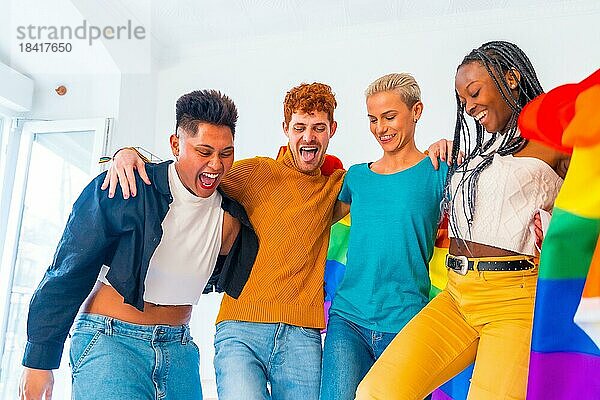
(349, 352)
(112, 359)
(250, 355)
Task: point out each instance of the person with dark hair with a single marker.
(134, 269)
(270, 335)
(485, 312)
(215, 109)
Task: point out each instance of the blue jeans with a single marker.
(112, 359)
(248, 355)
(349, 352)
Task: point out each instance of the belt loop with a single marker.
(108, 326)
(185, 337)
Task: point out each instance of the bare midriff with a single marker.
(472, 249)
(105, 300)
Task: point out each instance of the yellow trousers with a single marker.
(484, 317)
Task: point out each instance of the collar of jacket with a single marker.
(159, 176)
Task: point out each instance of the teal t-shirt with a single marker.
(392, 235)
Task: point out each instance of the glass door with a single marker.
(56, 160)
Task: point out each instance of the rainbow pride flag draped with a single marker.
(336, 260)
(565, 357)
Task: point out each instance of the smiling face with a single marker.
(478, 92)
(392, 122)
(308, 137)
(203, 159)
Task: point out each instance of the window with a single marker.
(55, 161)
(4, 133)
(5, 183)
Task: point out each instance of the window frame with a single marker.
(13, 194)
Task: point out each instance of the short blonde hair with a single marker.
(402, 83)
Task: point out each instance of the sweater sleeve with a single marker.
(69, 279)
(235, 183)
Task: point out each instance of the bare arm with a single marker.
(563, 165)
(121, 170)
(231, 228)
(442, 149)
(539, 234)
(36, 384)
(340, 210)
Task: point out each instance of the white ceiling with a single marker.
(179, 24)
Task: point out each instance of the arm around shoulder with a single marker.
(340, 210)
(239, 177)
(121, 172)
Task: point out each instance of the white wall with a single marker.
(128, 98)
(90, 74)
(96, 87)
(88, 96)
(561, 40)
(136, 114)
(16, 91)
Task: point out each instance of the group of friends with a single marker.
(134, 260)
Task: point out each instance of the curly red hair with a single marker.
(309, 98)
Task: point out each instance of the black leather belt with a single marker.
(461, 264)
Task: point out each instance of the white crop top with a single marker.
(509, 192)
(186, 255)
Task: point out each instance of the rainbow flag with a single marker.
(565, 357)
(336, 260)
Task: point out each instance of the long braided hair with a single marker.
(499, 58)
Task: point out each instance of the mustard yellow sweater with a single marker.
(291, 212)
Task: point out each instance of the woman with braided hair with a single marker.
(485, 312)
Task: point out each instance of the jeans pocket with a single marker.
(510, 285)
(503, 279)
(82, 344)
(312, 333)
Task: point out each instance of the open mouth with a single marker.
(386, 138)
(308, 153)
(479, 117)
(208, 181)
